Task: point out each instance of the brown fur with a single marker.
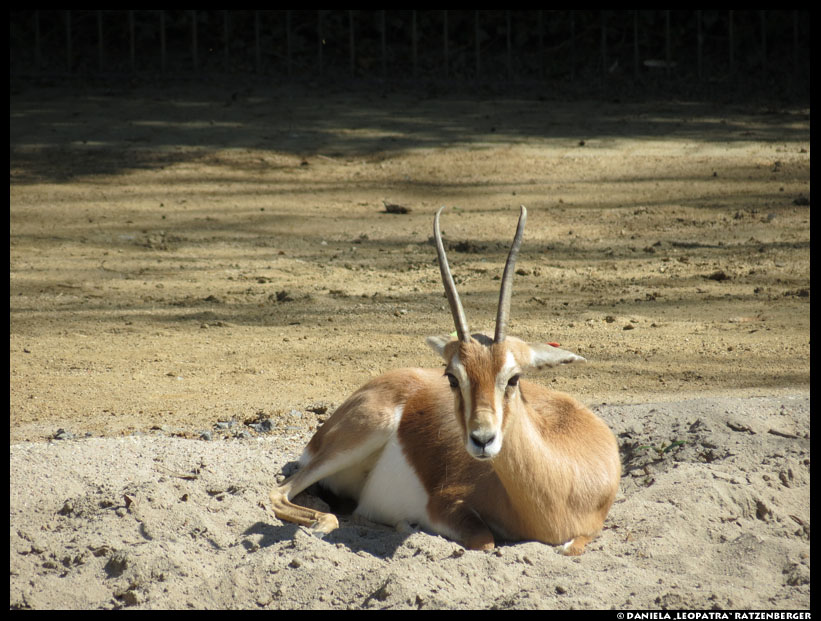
(553, 480)
(494, 455)
(553, 487)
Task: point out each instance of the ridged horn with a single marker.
(506, 289)
(456, 309)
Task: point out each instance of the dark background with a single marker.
(716, 53)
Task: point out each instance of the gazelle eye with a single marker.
(513, 381)
(454, 383)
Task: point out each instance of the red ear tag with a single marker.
(553, 344)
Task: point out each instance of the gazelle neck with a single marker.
(528, 466)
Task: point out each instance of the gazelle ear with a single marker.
(544, 355)
(438, 343)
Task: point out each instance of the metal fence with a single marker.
(451, 45)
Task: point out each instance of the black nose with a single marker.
(482, 439)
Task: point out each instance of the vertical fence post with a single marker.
(572, 46)
(636, 45)
(795, 42)
(257, 46)
(162, 41)
(288, 42)
(730, 38)
(68, 41)
(414, 50)
(795, 55)
(476, 43)
(38, 58)
(382, 43)
(541, 45)
(351, 43)
(509, 59)
(100, 63)
(194, 58)
(763, 17)
(603, 18)
(699, 46)
(667, 46)
(319, 39)
(226, 38)
(132, 45)
(445, 40)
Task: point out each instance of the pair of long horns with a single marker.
(505, 292)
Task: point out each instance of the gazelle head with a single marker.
(483, 372)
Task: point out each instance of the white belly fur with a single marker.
(393, 492)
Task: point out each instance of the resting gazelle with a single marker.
(472, 454)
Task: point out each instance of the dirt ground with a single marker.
(197, 264)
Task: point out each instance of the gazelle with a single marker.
(472, 454)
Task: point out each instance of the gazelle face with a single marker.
(484, 379)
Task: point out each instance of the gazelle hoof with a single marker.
(325, 523)
(575, 546)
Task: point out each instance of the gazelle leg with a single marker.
(319, 465)
(461, 523)
(286, 510)
(476, 535)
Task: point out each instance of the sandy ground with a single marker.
(199, 276)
